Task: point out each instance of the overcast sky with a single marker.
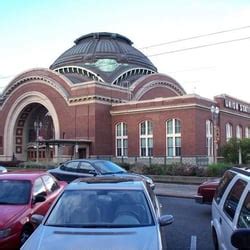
(35, 32)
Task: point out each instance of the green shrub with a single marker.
(217, 169)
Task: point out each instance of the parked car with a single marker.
(22, 194)
(231, 207)
(206, 191)
(3, 170)
(73, 169)
(101, 213)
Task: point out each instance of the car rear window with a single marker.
(224, 182)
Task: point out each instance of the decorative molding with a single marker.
(93, 98)
(79, 70)
(156, 83)
(30, 79)
(132, 72)
(159, 108)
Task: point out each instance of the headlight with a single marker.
(5, 233)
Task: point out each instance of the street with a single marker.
(191, 227)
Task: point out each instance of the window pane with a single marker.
(170, 127)
(143, 128)
(50, 183)
(177, 126)
(177, 151)
(244, 218)
(170, 141)
(177, 141)
(143, 152)
(150, 152)
(150, 142)
(224, 182)
(143, 142)
(119, 143)
(125, 131)
(125, 147)
(233, 198)
(150, 128)
(170, 152)
(118, 129)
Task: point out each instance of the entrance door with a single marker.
(82, 153)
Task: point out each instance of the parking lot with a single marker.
(191, 227)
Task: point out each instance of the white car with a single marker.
(231, 207)
(107, 213)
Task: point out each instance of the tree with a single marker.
(230, 151)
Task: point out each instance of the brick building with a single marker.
(103, 97)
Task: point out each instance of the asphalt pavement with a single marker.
(176, 190)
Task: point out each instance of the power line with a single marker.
(200, 46)
(195, 37)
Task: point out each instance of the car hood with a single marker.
(10, 212)
(51, 238)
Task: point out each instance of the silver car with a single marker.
(104, 213)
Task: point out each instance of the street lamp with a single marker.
(215, 115)
(37, 125)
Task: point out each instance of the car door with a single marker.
(53, 189)
(39, 189)
(68, 171)
(228, 214)
(244, 216)
(85, 169)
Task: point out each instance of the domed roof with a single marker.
(94, 46)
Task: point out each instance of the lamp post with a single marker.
(37, 125)
(215, 115)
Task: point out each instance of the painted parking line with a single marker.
(193, 242)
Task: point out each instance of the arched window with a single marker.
(229, 131)
(209, 137)
(146, 139)
(247, 132)
(173, 132)
(121, 139)
(239, 132)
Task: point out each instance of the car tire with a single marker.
(215, 240)
(25, 234)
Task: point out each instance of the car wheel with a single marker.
(25, 234)
(215, 240)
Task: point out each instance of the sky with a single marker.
(35, 32)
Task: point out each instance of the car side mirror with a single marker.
(93, 172)
(38, 198)
(36, 219)
(165, 220)
(241, 239)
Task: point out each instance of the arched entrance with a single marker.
(31, 119)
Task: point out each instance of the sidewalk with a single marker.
(176, 190)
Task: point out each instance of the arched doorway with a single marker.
(31, 119)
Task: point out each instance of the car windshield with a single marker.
(14, 192)
(101, 209)
(108, 167)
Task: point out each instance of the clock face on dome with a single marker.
(106, 65)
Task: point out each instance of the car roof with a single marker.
(22, 175)
(107, 182)
(243, 171)
(88, 160)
